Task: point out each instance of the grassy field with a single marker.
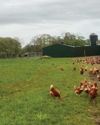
(25, 99)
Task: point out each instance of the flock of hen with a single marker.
(90, 88)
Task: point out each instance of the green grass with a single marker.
(25, 99)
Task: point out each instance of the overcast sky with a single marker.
(26, 18)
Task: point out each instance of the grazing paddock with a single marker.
(25, 98)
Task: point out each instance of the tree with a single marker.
(9, 47)
(43, 40)
(71, 39)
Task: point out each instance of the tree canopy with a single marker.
(9, 47)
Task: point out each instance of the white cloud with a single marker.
(24, 19)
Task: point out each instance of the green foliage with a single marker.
(70, 39)
(31, 48)
(43, 40)
(75, 42)
(9, 47)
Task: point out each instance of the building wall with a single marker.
(60, 50)
(92, 50)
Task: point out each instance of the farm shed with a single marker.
(61, 50)
(58, 50)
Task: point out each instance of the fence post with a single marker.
(84, 52)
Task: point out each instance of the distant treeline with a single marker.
(11, 47)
